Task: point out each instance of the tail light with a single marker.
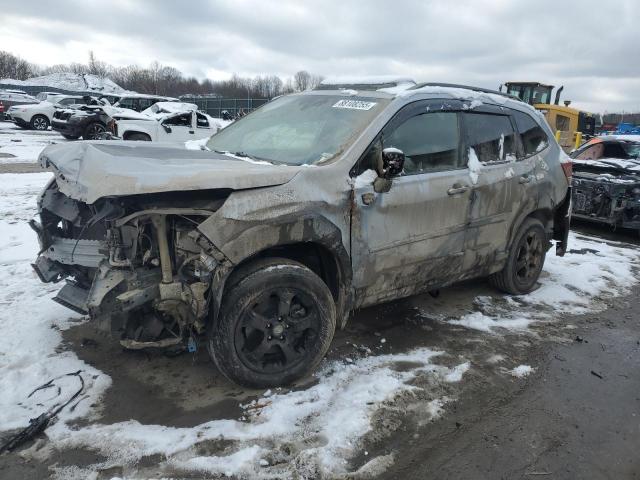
(567, 168)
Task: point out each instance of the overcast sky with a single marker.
(590, 47)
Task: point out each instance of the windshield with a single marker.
(631, 149)
(299, 129)
(531, 94)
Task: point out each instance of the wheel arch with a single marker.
(318, 246)
(127, 134)
(544, 215)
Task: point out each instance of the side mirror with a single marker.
(392, 162)
(167, 128)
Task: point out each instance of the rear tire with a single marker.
(275, 325)
(526, 259)
(39, 122)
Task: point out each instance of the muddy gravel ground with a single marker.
(576, 416)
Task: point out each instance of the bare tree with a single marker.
(96, 67)
(15, 67)
(302, 80)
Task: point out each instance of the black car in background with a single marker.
(90, 121)
(606, 181)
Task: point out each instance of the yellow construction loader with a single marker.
(571, 126)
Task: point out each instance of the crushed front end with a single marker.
(137, 263)
(607, 198)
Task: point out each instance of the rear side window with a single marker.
(491, 137)
(532, 136)
(429, 142)
(146, 103)
(202, 120)
(126, 103)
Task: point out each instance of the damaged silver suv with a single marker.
(312, 206)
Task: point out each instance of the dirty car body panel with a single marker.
(151, 237)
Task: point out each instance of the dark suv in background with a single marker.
(90, 121)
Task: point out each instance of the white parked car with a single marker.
(38, 115)
(165, 122)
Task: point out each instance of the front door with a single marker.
(411, 237)
(178, 128)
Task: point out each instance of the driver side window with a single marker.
(183, 120)
(430, 142)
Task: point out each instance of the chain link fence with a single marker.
(214, 106)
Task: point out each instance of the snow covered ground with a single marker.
(18, 145)
(315, 431)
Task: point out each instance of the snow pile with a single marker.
(521, 371)
(18, 145)
(572, 284)
(475, 167)
(30, 322)
(365, 179)
(322, 424)
(74, 82)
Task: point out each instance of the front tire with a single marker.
(39, 122)
(275, 325)
(93, 131)
(526, 259)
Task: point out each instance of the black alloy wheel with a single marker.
(525, 261)
(275, 325)
(275, 333)
(529, 258)
(94, 131)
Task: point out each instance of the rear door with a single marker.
(503, 184)
(412, 237)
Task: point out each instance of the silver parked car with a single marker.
(312, 206)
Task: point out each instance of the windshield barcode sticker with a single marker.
(354, 104)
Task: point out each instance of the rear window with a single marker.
(491, 137)
(532, 136)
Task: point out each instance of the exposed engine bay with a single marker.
(138, 263)
(607, 198)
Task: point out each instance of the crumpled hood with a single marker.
(87, 171)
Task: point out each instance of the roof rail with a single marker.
(466, 87)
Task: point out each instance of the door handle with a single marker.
(457, 188)
(524, 179)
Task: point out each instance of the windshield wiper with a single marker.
(246, 155)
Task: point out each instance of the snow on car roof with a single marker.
(170, 107)
(627, 137)
(464, 92)
(366, 80)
